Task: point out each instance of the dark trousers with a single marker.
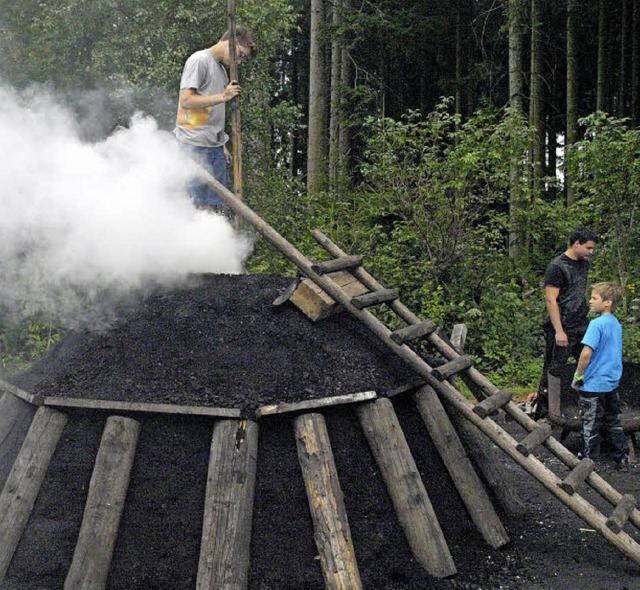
(555, 358)
(597, 409)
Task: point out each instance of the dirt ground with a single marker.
(218, 341)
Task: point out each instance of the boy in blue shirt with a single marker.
(598, 375)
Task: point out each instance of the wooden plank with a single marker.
(105, 503)
(458, 464)
(312, 404)
(577, 476)
(489, 405)
(24, 481)
(336, 264)
(413, 332)
(535, 438)
(24, 395)
(316, 304)
(457, 365)
(228, 510)
(459, 337)
(408, 494)
(621, 513)
(326, 502)
(15, 418)
(374, 298)
(113, 405)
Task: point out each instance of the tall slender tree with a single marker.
(602, 56)
(536, 100)
(317, 140)
(572, 93)
(635, 64)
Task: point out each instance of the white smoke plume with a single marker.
(78, 219)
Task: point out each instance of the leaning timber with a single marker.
(104, 506)
(410, 500)
(331, 526)
(228, 511)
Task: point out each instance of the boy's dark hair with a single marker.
(582, 235)
(244, 37)
(609, 292)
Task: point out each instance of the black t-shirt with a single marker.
(570, 276)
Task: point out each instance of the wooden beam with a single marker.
(336, 264)
(408, 494)
(326, 502)
(457, 365)
(577, 476)
(105, 503)
(489, 405)
(24, 481)
(455, 459)
(15, 417)
(24, 395)
(621, 513)
(313, 404)
(228, 511)
(113, 405)
(535, 438)
(413, 332)
(374, 298)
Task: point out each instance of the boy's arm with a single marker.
(583, 362)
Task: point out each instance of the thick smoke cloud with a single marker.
(79, 220)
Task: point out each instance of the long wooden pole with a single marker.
(236, 136)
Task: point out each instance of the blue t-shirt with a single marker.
(604, 336)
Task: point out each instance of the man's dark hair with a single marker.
(582, 235)
(244, 37)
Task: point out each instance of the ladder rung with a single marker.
(413, 332)
(621, 513)
(375, 298)
(453, 367)
(577, 476)
(492, 403)
(535, 438)
(340, 263)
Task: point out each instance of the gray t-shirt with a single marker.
(203, 127)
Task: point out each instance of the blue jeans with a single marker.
(211, 158)
(596, 409)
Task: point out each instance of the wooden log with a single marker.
(152, 408)
(630, 424)
(326, 502)
(621, 513)
(413, 332)
(21, 393)
(535, 438)
(577, 476)
(105, 503)
(15, 417)
(452, 368)
(459, 466)
(336, 264)
(408, 494)
(459, 337)
(554, 389)
(228, 511)
(316, 304)
(24, 481)
(492, 403)
(313, 404)
(488, 461)
(374, 298)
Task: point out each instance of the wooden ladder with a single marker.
(438, 383)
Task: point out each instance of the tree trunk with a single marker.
(316, 143)
(621, 103)
(516, 15)
(572, 94)
(602, 57)
(635, 64)
(334, 107)
(346, 80)
(536, 100)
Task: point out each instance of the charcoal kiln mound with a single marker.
(218, 342)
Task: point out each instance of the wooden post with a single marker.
(460, 469)
(408, 494)
(105, 503)
(24, 481)
(228, 510)
(330, 524)
(15, 417)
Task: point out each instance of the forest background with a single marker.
(455, 143)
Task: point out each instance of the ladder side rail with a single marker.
(474, 379)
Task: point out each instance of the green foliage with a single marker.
(23, 341)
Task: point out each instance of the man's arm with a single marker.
(583, 362)
(551, 299)
(190, 99)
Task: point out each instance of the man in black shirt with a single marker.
(565, 284)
